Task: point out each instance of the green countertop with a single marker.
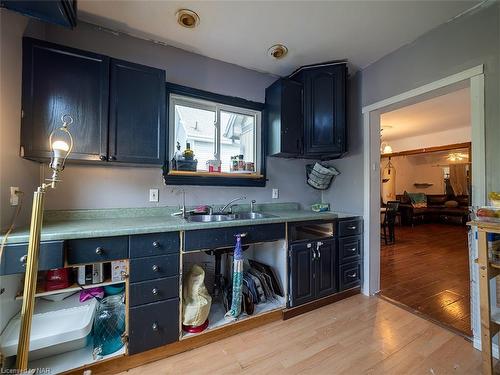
(63, 225)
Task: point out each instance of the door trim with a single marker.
(371, 169)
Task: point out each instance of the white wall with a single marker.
(14, 171)
(442, 138)
(90, 186)
(412, 169)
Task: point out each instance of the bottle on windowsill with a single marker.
(188, 154)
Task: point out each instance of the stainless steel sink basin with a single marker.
(251, 215)
(210, 218)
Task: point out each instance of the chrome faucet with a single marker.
(252, 205)
(230, 202)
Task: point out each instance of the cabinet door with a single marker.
(284, 116)
(60, 12)
(302, 285)
(59, 80)
(326, 279)
(137, 114)
(324, 107)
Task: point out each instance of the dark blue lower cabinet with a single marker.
(350, 275)
(302, 284)
(154, 290)
(326, 265)
(95, 250)
(154, 267)
(313, 271)
(14, 257)
(153, 325)
(207, 239)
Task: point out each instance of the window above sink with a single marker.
(224, 136)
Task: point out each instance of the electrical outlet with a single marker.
(153, 195)
(276, 193)
(14, 198)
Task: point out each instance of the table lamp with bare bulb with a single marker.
(61, 144)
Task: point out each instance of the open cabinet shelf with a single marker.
(73, 288)
(72, 360)
(273, 254)
(216, 318)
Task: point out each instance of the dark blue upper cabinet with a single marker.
(324, 111)
(60, 12)
(284, 118)
(306, 113)
(59, 80)
(137, 114)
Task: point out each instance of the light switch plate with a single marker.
(276, 193)
(14, 198)
(154, 195)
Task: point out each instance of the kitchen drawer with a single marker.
(14, 257)
(225, 237)
(350, 227)
(350, 275)
(153, 325)
(154, 267)
(154, 290)
(349, 249)
(94, 250)
(145, 245)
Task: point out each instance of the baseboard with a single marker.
(313, 305)
(494, 347)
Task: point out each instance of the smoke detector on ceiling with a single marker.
(187, 18)
(278, 51)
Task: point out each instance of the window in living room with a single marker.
(425, 199)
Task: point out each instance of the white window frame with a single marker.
(185, 100)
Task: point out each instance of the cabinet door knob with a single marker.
(155, 326)
(155, 291)
(103, 157)
(352, 250)
(156, 244)
(112, 157)
(99, 250)
(353, 275)
(352, 227)
(155, 268)
(24, 259)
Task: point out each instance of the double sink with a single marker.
(227, 217)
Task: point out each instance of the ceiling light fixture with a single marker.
(187, 18)
(278, 51)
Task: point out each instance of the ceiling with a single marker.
(241, 32)
(449, 111)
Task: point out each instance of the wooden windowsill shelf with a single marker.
(215, 174)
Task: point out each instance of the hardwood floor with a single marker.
(428, 270)
(359, 335)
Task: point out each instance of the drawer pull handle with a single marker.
(155, 326)
(24, 259)
(155, 291)
(353, 275)
(353, 249)
(352, 227)
(155, 268)
(99, 250)
(156, 244)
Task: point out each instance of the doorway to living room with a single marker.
(425, 185)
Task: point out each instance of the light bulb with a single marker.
(59, 148)
(387, 149)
